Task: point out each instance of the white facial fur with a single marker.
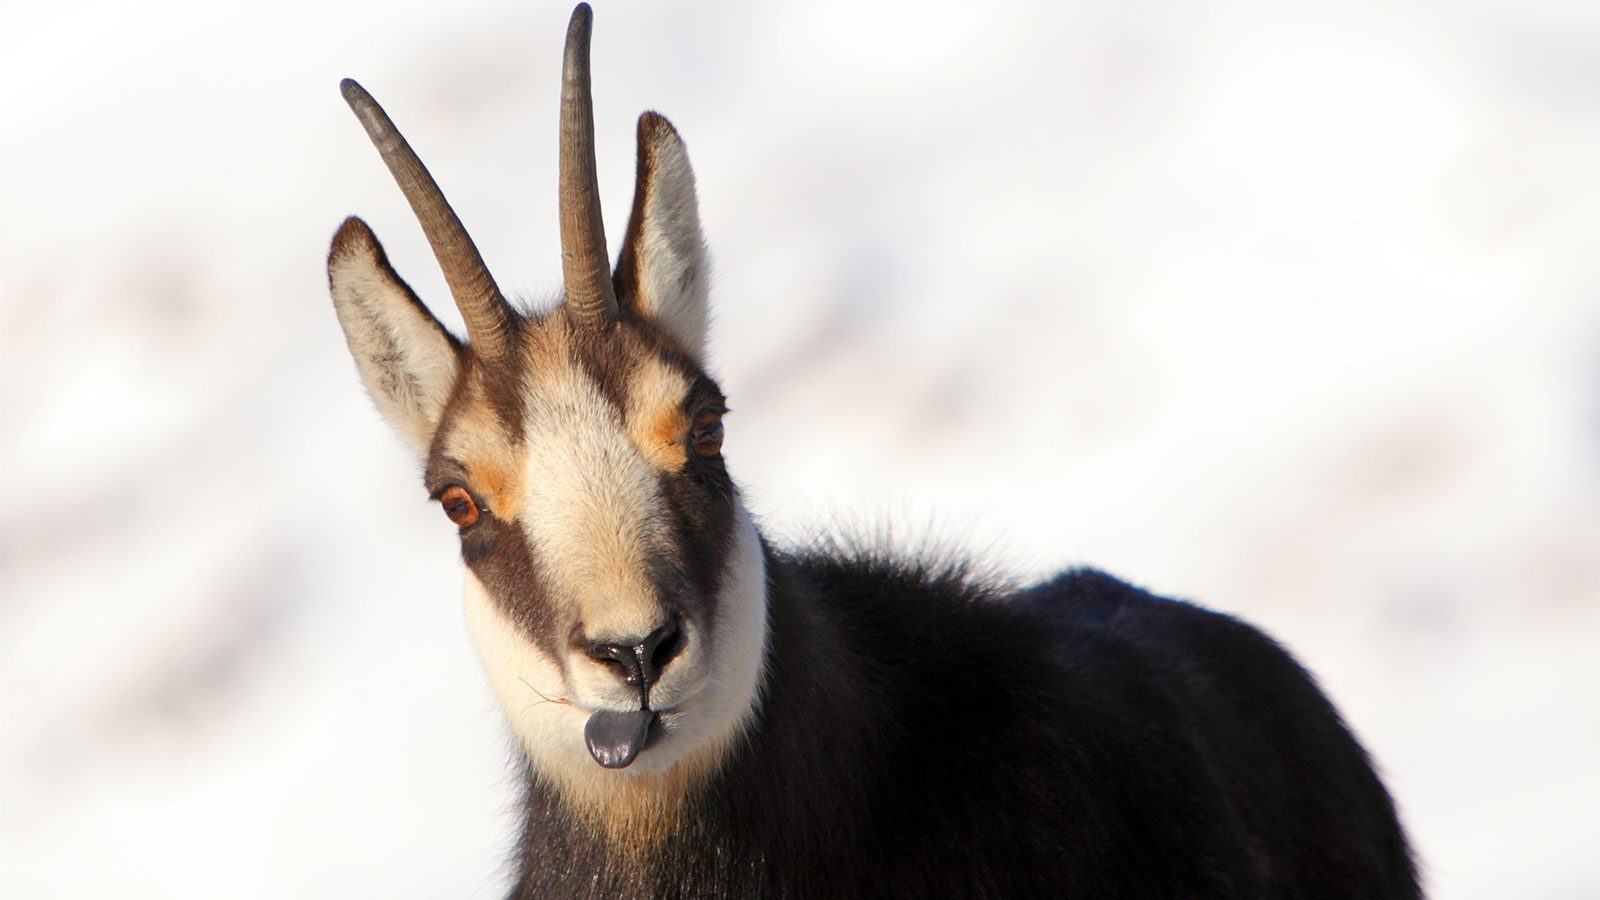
(547, 707)
(593, 518)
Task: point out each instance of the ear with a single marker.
(662, 271)
(406, 358)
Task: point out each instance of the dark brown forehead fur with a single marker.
(610, 356)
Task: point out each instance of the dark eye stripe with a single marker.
(701, 504)
(497, 553)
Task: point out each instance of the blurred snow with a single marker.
(1294, 312)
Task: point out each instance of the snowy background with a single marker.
(1295, 313)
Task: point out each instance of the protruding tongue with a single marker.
(615, 738)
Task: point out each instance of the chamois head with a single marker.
(615, 584)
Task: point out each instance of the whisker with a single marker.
(542, 698)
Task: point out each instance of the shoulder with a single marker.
(1088, 601)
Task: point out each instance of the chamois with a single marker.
(703, 714)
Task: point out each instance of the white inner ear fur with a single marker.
(404, 357)
(672, 258)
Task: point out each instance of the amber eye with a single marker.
(707, 435)
(459, 505)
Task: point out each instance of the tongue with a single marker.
(615, 738)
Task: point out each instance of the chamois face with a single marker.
(614, 583)
(604, 514)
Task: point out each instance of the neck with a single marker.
(753, 796)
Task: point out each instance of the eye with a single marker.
(459, 505)
(707, 434)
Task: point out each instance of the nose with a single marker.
(641, 661)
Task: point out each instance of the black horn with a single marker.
(585, 264)
(488, 317)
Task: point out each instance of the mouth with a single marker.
(615, 739)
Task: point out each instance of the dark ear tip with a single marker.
(352, 238)
(655, 133)
(653, 126)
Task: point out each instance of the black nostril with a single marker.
(660, 648)
(641, 663)
(618, 656)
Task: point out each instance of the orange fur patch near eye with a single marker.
(657, 424)
(660, 438)
(495, 486)
(477, 438)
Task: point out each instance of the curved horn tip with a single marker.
(575, 58)
(582, 15)
(354, 94)
(586, 267)
(372, 117)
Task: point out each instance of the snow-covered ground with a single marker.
(1294, 313)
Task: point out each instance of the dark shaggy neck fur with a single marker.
(919, 737)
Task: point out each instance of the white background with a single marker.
(1293, 313)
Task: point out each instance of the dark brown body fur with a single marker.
(919, 737)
